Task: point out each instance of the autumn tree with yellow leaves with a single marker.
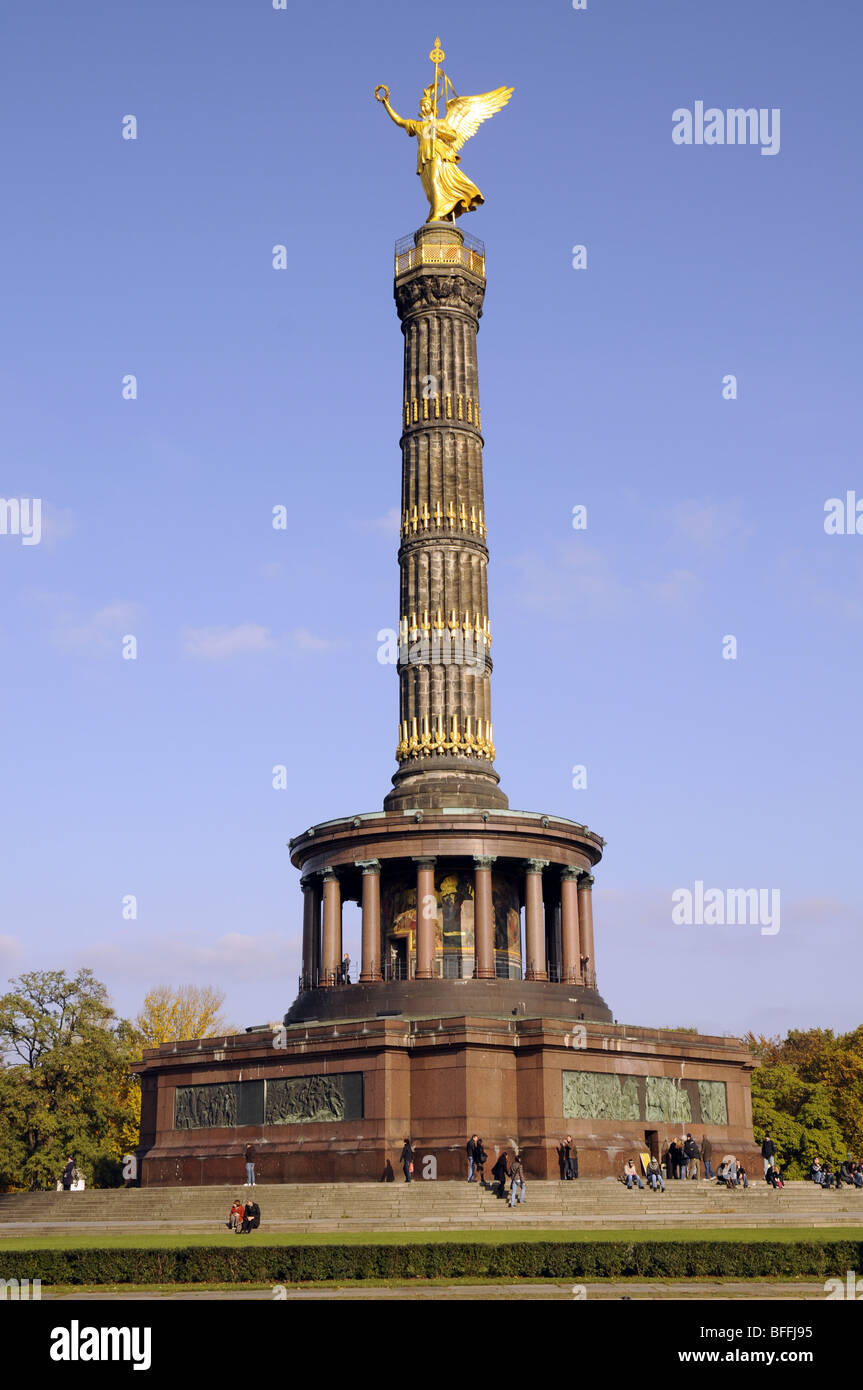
(175, 1015)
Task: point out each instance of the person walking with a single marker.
(68, 1175)
(249, 1154)
(768, 1151)
(707, 1154)
(516, 1173)
(480, 1159)
(471, 1156)
(407, 1160)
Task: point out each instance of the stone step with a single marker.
(587, 1204)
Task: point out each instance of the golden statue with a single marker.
(439, 139)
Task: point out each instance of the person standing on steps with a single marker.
(691, 1154)
(471, 1156)
(407, 1160)
(768, 1150)
(499, 1173)
(569, 1159)
(516, 1173)
(707, 1154)
(249, 1154)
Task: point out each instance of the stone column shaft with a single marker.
(585, 917)
(426, 918)
(534, 924)
(332, 929)
(311, 932)
(483, 918)
(570, 945)
(371, 929)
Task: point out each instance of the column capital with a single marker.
(484, 861)
(536, 866)
(424, 861)
(586, 880)
(329, 874)
(368, 866)
(569, 874)
(308, 881)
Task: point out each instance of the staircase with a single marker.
(601, 1204)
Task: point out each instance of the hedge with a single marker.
(557, 1260)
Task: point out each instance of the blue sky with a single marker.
(600, 387)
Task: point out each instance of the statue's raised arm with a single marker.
(393, 115)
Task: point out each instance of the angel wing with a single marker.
(466, 114)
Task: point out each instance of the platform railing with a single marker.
(471, 255)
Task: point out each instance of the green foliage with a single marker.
(559, 1260)
(808, 1094)
(65, 1085)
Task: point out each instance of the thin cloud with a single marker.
(310, 642)
(234, 955)
(221, 643)
(103, 631)
(389, 523)
(708, 524)
(10, 950)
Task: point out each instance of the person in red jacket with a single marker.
(235, 1218)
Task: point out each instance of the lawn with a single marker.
(160, 1241)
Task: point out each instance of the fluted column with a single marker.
(585, 917)
(426, 918)
(483, 918)
(534, 925)
(571, 962)
(371, 928)
(311, 931)
(445, 746)
(332, 928)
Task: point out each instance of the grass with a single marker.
(161, 1241)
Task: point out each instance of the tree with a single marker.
(66, 1089)
(808, 1092)
(174, 1015)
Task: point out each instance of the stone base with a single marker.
(439, 1080)
(460, 783)
(420, 999)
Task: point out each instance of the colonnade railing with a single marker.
(401, 970)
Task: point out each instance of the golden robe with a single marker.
(446, 187)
